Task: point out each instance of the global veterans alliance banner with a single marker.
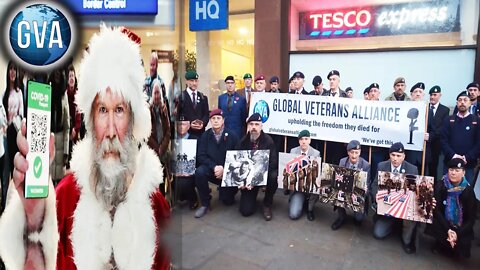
(374, 123)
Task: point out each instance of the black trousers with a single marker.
(203, 175)
(184, 188)
(248, 199)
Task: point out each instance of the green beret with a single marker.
(191, 75)
(247, 76)
(435, 89)
(304, 133)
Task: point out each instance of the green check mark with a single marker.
(37, 167)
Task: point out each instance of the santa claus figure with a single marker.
(109, 213)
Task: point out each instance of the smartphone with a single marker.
(39, 102)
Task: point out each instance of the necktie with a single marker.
(304, 154)
(352, 167)
(229, 103)
(473, 108)
(395, 170)
(254, 146)
(333, 94)
(194, 100)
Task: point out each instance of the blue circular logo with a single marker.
(262, 108)
(40, 34)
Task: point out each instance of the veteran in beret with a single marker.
(437, 114)
(384, 224)
(317, 86)
(454, 216)
(298, 82)
(356, 162)
(297, 199)
(247, 90)
(333, 78)
(398, 94)
(473, 89)
(274, 85)
(193, 105)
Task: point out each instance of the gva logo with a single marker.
(262, 108)
(39, 35)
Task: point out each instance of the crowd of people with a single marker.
(106, 124)
(454, 136)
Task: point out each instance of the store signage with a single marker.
(208, 15)
(387, 20)
(89, 7)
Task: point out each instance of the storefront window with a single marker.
(376, 24)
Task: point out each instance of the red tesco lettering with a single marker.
(349, 19)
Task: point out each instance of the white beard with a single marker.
(110, 174)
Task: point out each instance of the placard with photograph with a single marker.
(343, 187)
(299, 172)
(184, 157)
(405, 196)
(245, 168)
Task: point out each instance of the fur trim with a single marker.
(132, 235)
(114, 61)
(12, 229)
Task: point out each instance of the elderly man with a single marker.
(260, 84)
(256, 139)
(160, 138)
(246, 92)
(460, 136)
(352, 161)
(298, 82)
(212, 149)
(109, 213)
(384, 225)
(148, 85)
(399, 91)
(234, 107)
(298, 198)
(333, 78)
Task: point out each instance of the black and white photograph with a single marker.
(299, 172)
(184, 157)
(343, 187)
(405, 196)
(245, 168)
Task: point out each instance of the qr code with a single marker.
(39, 133)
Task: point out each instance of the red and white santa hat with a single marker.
(114, 60)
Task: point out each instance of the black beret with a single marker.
(397, 147)
(317, 80)
(333, 72)
(304, 133)
(298, 74)
(229, 78)
(353, 144)
(463, 94)
(291, 79)
(435, 89)
(274, 79)
(420, 85)
(373, 85)
(456, 163)
(473, 84)
(366, 90)
(181, 117)
(349, 89)
(254, 117)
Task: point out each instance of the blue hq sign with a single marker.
(92, 7)
(208, 15)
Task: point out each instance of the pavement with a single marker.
(223, 239)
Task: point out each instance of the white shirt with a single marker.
(393, 168)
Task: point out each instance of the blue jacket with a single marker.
(461, 136)
(236, 117)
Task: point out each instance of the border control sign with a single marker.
(208, 15)
(374, 123)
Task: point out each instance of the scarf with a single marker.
(453, 209)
